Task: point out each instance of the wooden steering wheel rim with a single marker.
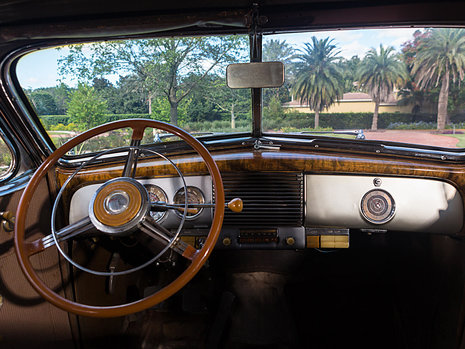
(138, 126)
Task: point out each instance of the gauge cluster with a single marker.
(167, 190)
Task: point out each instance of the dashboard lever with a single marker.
(235, 205)
(163, 206)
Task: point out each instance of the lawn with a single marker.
(461, 138)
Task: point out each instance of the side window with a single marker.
(6, 158)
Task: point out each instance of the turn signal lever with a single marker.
(235, 205)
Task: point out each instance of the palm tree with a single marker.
(318, 78)
(440, 56)
(378, 75)
(278, 51)
(275, 50)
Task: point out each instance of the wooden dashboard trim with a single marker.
(247, 159)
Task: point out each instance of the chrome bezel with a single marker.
(163, 214)
(133, 223)
(391, 213)
(179, 214)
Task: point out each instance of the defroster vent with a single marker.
(270, 199)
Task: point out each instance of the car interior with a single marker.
(176, 228)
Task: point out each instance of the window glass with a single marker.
(176, 80)
(6, 158)
(389, 84)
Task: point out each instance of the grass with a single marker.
(461, 138)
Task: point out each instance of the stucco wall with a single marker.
(357, 107)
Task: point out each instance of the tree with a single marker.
(318, 78)
(349, 68)
(60, 95)
(409, 93)
(278, 51)
(379, 74)
(86, 107)
(231, 101)
(159, 66)
(440, 57)
(43, 102)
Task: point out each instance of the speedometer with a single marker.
(194, 196)
(156, 194)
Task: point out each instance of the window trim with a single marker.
(12, 169)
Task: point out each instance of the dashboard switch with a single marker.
(227, 241)
(290, 241)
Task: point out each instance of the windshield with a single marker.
(176, 80)
(402, 85)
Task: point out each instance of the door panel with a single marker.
(24, 315)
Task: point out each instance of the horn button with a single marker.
(119, 205)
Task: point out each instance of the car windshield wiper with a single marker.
(160, 137)
(357, 133)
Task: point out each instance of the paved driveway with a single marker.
(413, 136)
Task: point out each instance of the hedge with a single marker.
(340, 121)
(52, 120)
(337, 121)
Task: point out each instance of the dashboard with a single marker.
(295, 210)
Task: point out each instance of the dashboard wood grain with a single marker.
(306, 161)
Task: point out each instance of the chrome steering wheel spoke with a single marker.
(131, 161)
(70, 231)
(157, 232)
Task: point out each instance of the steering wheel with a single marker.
(117, 219)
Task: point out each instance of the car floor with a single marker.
(386, 291)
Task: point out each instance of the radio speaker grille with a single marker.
(270, 199)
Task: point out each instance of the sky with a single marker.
(40, 68)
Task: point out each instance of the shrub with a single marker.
(48, 121)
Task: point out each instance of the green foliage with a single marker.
(289, 129)
(341, 121)
(440, 57)
(48, 121)
(5, 157)
(420, 125)
(70, 127)
(460, 137)
(213, 100)
(379, 74)
(274, 108)
(441, 52)
(318, 78)
(203, 102)
(277, 51)
(349, 68)
(161, 110)
(49, 100)
(86, 108)
(156, 65)
(43, 102)
(51, 121)
(423, 125)
(218, 126)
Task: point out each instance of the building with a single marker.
(354, 102)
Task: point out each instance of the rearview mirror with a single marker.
(255, 75)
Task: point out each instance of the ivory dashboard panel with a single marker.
(403, 204)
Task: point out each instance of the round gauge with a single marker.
(194, 196)
(378, 206)
(156, 194)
